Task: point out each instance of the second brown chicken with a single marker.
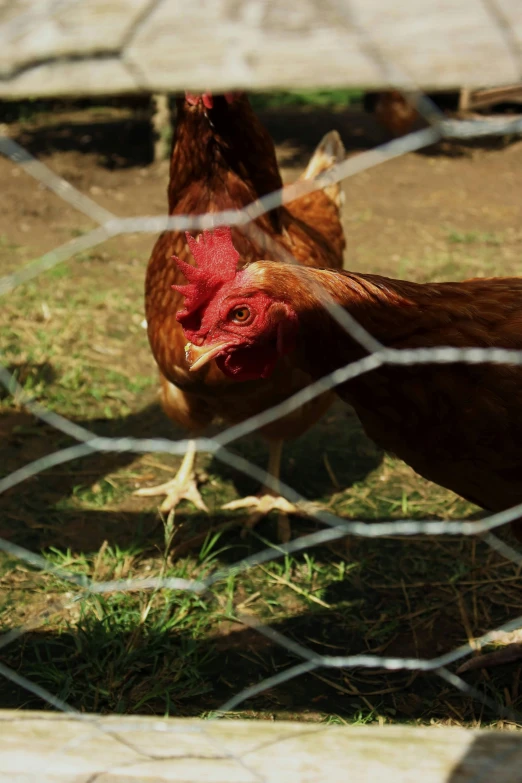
(223, 158)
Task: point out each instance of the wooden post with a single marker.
(42, 747)
(480, 99)
(161, 126)
(464, 97)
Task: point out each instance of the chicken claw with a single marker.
(182, 487)
(261, 506)
(266, 502)
(269, 500)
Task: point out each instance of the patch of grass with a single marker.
(122, 656)
(474, 237)
(459, 262)
(77, 346)
(171, 652)
(395, 491)
(7, 244)
(334, 98)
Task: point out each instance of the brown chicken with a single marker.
(223, 158)
(394, 112)
(459, 425)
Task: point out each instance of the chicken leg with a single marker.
(268, 499)
(182, 487)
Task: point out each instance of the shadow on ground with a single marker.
(393, 597)
(123, 142)
(35, 513)
(118, 664)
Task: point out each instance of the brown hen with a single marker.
(223, 158)
(394, 112)
(458, 424)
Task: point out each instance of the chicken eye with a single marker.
(240, 314)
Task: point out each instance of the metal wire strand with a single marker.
(87, 442)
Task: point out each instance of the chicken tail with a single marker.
(328, 152)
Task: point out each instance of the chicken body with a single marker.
(223, 158)
(457, 424)
(393, 111)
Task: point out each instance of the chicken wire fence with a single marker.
(333, 527)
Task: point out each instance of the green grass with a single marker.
(462, 255)
(334, 98)
(62, 339)
(475, 238)
(174, 653)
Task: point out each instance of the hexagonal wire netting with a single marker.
(333, 527)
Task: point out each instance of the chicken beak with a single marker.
(198, 355)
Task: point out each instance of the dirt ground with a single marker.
(398, 215)
(75, 339)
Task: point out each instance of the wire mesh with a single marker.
(334, 528)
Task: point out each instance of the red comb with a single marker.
(216, 263)
(206, 98)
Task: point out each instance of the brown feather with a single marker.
(456, 424)
(224, 159)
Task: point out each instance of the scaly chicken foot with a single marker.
(182, 487)
(262, 505)
(269, 500)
